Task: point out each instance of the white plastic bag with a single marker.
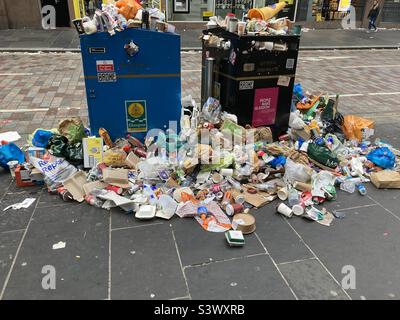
(55, 171)
(296, 172)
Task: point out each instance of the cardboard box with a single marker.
(34, 152)
(28, 178)
(92, 151)
(386, 179)
(116, 177)
(75, 185)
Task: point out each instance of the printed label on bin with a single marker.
(265, 106)
(106, 77)
(105, 65)
(136, 115)
(246, 85)
(97, 50)
(289, 63)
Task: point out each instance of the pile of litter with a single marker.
(214, 171)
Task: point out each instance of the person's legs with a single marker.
(373, 21)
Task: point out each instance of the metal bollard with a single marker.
(208, 80)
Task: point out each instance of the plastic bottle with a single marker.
(293, 197)
(348, 185)
(106, 137)
(93, 201)
(361, 189)
(236, 185)
(147, 191)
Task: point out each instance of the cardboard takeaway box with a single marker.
(386, 179)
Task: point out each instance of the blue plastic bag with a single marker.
(382, 157)
(10, 152)
(41, 138)
(279, 161)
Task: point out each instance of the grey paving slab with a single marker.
(15, 219)
(310, 281)
(389, 199)
(366, 239)
(81, 267)
(8, 247)
(281, 242)
(121, 219)
(145, 264)
(253, 278)
(5, 180)
(198, 246)
(53, 200)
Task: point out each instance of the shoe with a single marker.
(376, 30)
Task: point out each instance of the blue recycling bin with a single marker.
(132, 91)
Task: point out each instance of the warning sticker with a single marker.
(136, 115)
(105, 65)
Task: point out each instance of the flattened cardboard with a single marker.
(116, 177)
(132, 160)
(258, 199)
(75, 184)
(386, 179)
(90, 186)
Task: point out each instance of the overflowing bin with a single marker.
(252, 76)
(133, 81)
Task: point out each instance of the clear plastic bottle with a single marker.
(93, 201)
(147, 191)
(293, 197)
(348, 185)
(361, 189)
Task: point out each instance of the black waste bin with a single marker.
(254, 84)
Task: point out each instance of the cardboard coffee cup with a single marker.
(245, 222)
(226, 172)
(283, 194)
(298, 210)
(217, 178)
(284, 210)
(301, 186)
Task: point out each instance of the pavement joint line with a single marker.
(181, 298)
(373, 66)
(12, 231)
(180, 263)
(109, 258)
(134, 227)
(358, 207)
(395, 216)
(24, 110)
(17, 252)
(5, 193)
(317, 258)
(277, 268)
(203, 264)
(295, 261)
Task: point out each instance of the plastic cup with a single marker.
(12, 165)
(283, 194)
(284, 210)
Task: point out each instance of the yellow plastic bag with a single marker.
(115, 157)
(353, 127)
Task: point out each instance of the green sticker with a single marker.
(136, 116)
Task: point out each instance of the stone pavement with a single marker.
(68, 40)
(113, 256)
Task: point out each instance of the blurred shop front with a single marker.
(201, 10)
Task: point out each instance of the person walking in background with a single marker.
(373, 15)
